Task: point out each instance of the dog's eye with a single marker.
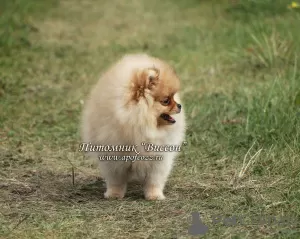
(166, 101)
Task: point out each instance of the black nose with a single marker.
(179, 106)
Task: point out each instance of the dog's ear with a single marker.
(148, 78)
(143, 81)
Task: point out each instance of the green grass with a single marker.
(239, 66)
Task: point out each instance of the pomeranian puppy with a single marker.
(135, 105)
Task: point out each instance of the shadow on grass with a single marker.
(34, 185)
(41, 185)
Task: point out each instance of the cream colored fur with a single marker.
(110, 118)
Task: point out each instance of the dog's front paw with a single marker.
(114, 193)
(154, 197)
(154, 193)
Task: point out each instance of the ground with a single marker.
(239, 67)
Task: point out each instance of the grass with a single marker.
(239, 66)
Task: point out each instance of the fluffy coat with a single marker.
(126, 107)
